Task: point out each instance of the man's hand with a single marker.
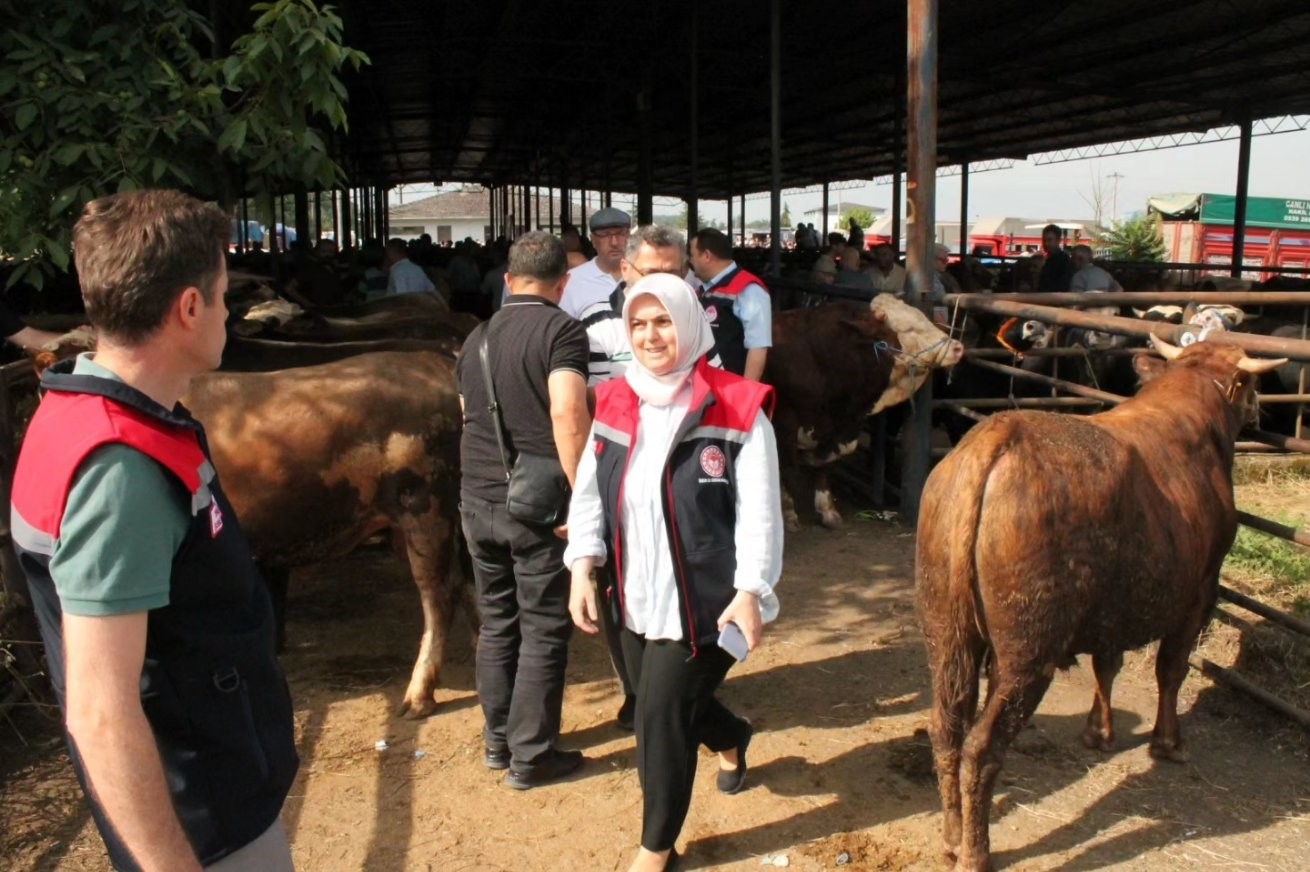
(582, 597)
(744, 611)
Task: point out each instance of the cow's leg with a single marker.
(1100, 720)
(824, 504)
(789, 516)
(1016, 691)
(955, 664)
(1170, 670)
(429, 543)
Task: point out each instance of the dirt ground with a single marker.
(840, 764)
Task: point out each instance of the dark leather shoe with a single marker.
(674, 861)
(733, 780)
(627, 714)
(554, 765)
(496, 759)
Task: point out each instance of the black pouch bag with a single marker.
(538, 489)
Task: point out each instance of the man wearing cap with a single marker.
(594, 281)
(736, 302)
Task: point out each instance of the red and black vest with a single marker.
(699, 490)
(729, 332)
(211, 686)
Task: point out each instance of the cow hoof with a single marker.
(985, 865)
(792, 522)
(1093, 739)
(831, 520)
(414, 711)
(1162, 749)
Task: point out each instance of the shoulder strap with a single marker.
(492, 405)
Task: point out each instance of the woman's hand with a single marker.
(744, 611)
(582, 597)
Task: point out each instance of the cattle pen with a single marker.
(1058, 309)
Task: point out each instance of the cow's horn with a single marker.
(1256, 366)
(1167, 351)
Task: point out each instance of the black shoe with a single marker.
(674, 861)
(496, 759)
(556, 764)
(627, 714)
(732, 781)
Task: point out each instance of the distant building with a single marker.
(454, 215)
(835, 211)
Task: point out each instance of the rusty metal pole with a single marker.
(921, 141)
(775, 137)
(1239, 211)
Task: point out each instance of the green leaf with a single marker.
(6, 158)
(58, 253)
(234, 137)
(63, 201)
(157, 168)
(67, 155)
(25, 115)
(17, 275)
(7, 81)
(127, 183)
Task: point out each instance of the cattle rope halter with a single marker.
(912, 358)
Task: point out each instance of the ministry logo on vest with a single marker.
(712, 313)
(215, 520)
(713, 461)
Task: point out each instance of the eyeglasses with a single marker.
(664, 272)
(614, 233)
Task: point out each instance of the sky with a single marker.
(1280, 167)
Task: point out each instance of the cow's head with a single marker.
(923, 348)
(69, 345)
(1226, 367)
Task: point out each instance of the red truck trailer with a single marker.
(1198, 228)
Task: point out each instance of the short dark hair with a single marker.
(538, 255)
(715, 242)
(137, 251)
(1053, 228)
(395, 243)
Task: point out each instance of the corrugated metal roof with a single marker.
(509, 91)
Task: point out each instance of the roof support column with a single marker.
(301, 198)
(693, 201)
(536, 225)
(921, 77)
(318, 215)
(384, 218)
(898, 164)
(347, 221)
(645, 160)
(823, 242)
(743, 218)
(964, 207)
(775, 136)
(1239, 210)
(492, 205)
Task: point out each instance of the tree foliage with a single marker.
(862, 216)
(97, 97)
(1137, 239)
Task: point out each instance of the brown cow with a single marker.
(315, 460)
(1043, 536)
(834, 365)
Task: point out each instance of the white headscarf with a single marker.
(695, 338)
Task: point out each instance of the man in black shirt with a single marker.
(538, 358)
(1057, 271)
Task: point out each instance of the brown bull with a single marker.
(1043, 536)
(317, 459)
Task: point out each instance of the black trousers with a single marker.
(611, 623)
(676, 711)
(523, 644)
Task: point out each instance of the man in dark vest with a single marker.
(158, 629)
(736, 302)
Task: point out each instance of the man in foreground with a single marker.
(158, 629)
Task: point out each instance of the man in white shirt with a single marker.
(736, 302)
(403, 275)
(888, 275)
(1087, 275)
(594, 281)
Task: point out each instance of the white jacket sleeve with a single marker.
(586, 516)
(759, 517)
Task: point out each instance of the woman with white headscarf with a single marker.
(680, 491)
